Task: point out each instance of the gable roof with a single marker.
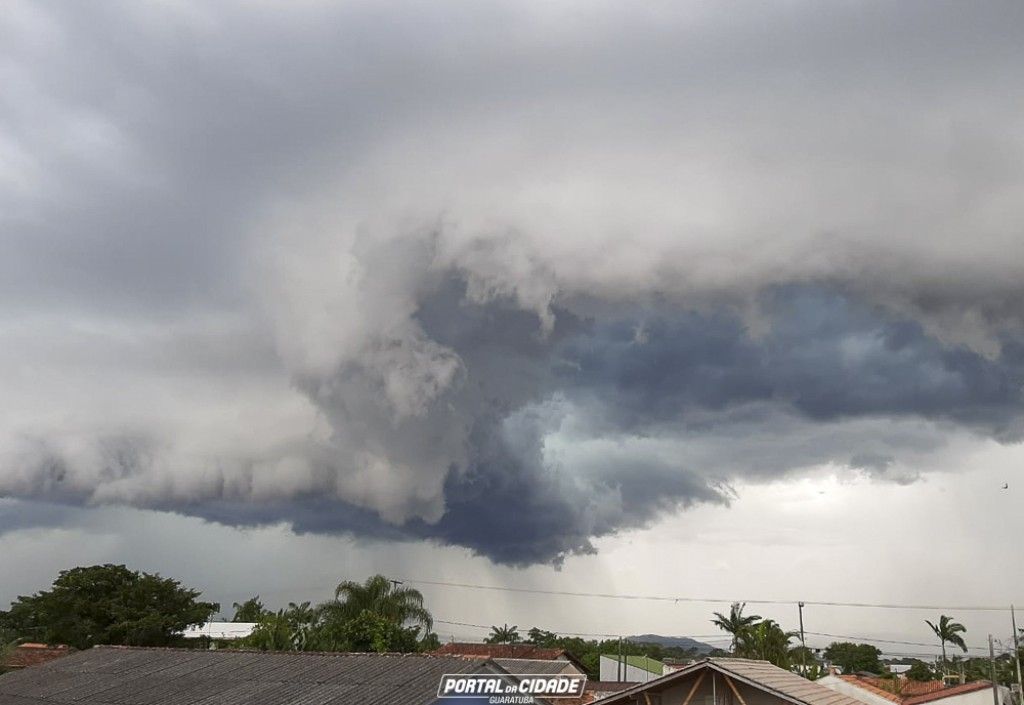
(758, 674)
(107, 674)
(913, 692)
(509, 651)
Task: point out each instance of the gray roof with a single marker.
(109, 675)
(530, 666)
(758, 674)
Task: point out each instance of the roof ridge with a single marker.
(385, 654)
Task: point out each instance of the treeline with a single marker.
(111, 604)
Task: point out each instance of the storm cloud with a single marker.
(508, 277)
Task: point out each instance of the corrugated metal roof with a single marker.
(528, 666)
(758, 674)
(139, 676)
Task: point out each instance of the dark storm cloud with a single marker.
(825, 356)
(504, 276)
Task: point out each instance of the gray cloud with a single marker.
(381, 268)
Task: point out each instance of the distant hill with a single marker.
(678, 642)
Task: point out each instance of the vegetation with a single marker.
(920, 671)
(853, 657)
(504, 635)
(252, 610)
(736, 623)
(948, 631)
(766, 641)
(377, 615)
(753, 637)
(108, 604)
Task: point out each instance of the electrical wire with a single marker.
(713, 600)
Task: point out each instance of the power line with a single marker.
(713, 600)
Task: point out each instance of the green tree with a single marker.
(109, 604)
(379, 596)
(766, 641)
(736, 623)
(919, 671)
(504, 635)
(948, 631)
(273, 632)
(541, 637)
(853, 657)
(252, 610)
(372, 632)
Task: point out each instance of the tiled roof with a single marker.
(913, 692)
(527, 651)
(226, 677)
(528, 666)
(512, 651)
(758, 674)
(34, 654)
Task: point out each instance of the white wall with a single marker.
(610, 669)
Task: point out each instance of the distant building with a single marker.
(872, 690)
(635, 669)
(25, 655)
(220, 631)
(672, 665)
(527, 652)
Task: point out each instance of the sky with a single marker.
(682, 299)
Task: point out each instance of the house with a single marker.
(872, 690)
(673, 664)
(527, 652)
(25, 655)
(729, 681)
(220, 631)
(163, 676)
(636, 669)
(527, 666)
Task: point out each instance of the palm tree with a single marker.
(735, 624)
(249, 611)
(504, 635)
(382, 597)
(766, 641)
(948, 630)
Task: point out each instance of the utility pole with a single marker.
(992, 661)
(1016, 655)
(618, 670)
(803, 644)
(395, 583)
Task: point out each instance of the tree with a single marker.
(853, 657)
(251, 610)
(541, 637)
(735, 624)
(919, 671)
(948, 631)
(766, 641)
(382, 597)
(108, 604)
(372, 632)
(504, 635)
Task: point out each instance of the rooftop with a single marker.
(912, 692)
(779, 682)
(26, 655)
(155, 676)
